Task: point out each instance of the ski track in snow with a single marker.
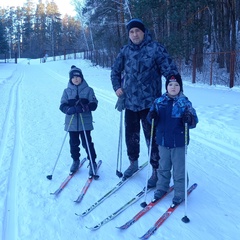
(10, 151)
(32, 132)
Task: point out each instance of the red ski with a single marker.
(87, 184)
(165, 216)
(66, 181)
(143, 211)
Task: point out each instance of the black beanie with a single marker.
(135, 23)
(175, 78)
(75, 72)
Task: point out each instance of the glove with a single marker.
(120, 105)
(92, 106)
(71, 110)
(153, 115)
(82, 105)
(187, 117)
(79, 109)
(84, 101)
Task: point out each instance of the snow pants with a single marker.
(132, 135)
(172, 159)
(75, 142)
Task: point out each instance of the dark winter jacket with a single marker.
(143, 67)
(170, 129)
(70, 97)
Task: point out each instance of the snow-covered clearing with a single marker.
(31, 134)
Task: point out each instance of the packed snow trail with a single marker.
(33, 131)
(10, 153)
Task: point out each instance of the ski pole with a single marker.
(119, 156)
(185, 219)
(144, 204)
(50, 176)
(89, 153)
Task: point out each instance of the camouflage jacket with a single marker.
(142, 67)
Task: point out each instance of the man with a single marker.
(142, 62)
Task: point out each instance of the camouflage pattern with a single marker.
(143, 66)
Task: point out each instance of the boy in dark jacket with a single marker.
(170, 112)
(77, 102)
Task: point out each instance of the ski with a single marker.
(87, 184)
(66, 181)
(121, 209)
(165, 216)
(143, 211)
(113, 190)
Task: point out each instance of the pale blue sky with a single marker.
(64, 6)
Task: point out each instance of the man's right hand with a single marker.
(119, 92)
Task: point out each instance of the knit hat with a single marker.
(75, 72)
(135, 23)
(175, 78)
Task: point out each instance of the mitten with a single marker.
(71, 110)
(92, 106)
(84, 101)
(187, 117)
(120, 105)
(79, 109)
(153, 115)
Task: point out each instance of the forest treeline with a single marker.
(185, 27)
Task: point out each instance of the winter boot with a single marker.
(152, 181)
(91, 172)
(131, 169)
(159, 194)
(75, 166)
(177, 200)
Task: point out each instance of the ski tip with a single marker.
(93, 228)
(83, 214)
(77, 214)
(145, 236)
(121, 228)
(56, 193)
(77, 201)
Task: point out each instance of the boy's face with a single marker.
(76, 80)
(173, 89)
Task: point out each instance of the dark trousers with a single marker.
(75, 142)
(132, 135)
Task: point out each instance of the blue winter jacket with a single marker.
(170, 129)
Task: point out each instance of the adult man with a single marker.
(142, 62)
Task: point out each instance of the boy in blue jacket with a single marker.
(170, 112)
(77, 102)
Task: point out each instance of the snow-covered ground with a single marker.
(31, 135)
